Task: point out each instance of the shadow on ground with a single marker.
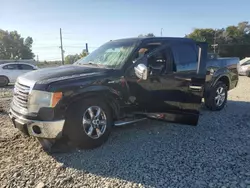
(149, 151)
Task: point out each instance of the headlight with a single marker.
(38, 99)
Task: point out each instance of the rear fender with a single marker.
(214, 81)
(224, 77)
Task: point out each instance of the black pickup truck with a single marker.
(122, 82)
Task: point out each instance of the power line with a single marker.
(44, 47)
(83, 46)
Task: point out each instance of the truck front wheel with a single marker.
(88, 123)
(217, 97)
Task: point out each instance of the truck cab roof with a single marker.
(142, 39)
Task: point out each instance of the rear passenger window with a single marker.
(25, 67)
(185, 57)
(11, 67)
(187, 54)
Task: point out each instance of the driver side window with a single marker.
(144, 50)
(157, 63)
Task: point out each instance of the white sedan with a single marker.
(244, 67)
(10, 71)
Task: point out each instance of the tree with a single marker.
(13, 46)
(147, 35)
(70, 59)
(83, 54)
(232, 40)
(26, 52)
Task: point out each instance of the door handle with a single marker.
(195, 88)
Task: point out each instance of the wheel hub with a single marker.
(220, 97)
(94, 122)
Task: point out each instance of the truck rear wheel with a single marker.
(88, 123)
(217, 98)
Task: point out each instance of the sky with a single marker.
(98, 21)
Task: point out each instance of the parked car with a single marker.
(10, 71)
(244, 67)
(122, 82)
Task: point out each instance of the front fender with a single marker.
(94, 90)
(113, 97)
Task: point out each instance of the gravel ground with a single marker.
(6, 91)
(216, 153)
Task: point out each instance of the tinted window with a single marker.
(25, 67)
(185, 57)
(187, 54)
(11, 67)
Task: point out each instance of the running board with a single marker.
(121, 123)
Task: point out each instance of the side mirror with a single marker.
(141, 71)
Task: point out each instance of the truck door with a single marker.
(174, 86)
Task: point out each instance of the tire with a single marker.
(210, 99)
(4, 81)
(76, 131)
(248, 74)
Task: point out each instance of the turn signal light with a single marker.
(55, 98)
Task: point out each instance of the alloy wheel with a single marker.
(94, 122)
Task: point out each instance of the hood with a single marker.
(47, 75)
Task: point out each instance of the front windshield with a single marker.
(111, 55)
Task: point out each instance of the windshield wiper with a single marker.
(95, 64)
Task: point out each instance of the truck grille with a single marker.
(21, 93)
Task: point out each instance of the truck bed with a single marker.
(218, 67)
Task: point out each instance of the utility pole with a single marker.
(62, 51)
(214, 39)
(37, 58)
(87, 48)
(214, 45)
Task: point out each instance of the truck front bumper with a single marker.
(40, 129)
